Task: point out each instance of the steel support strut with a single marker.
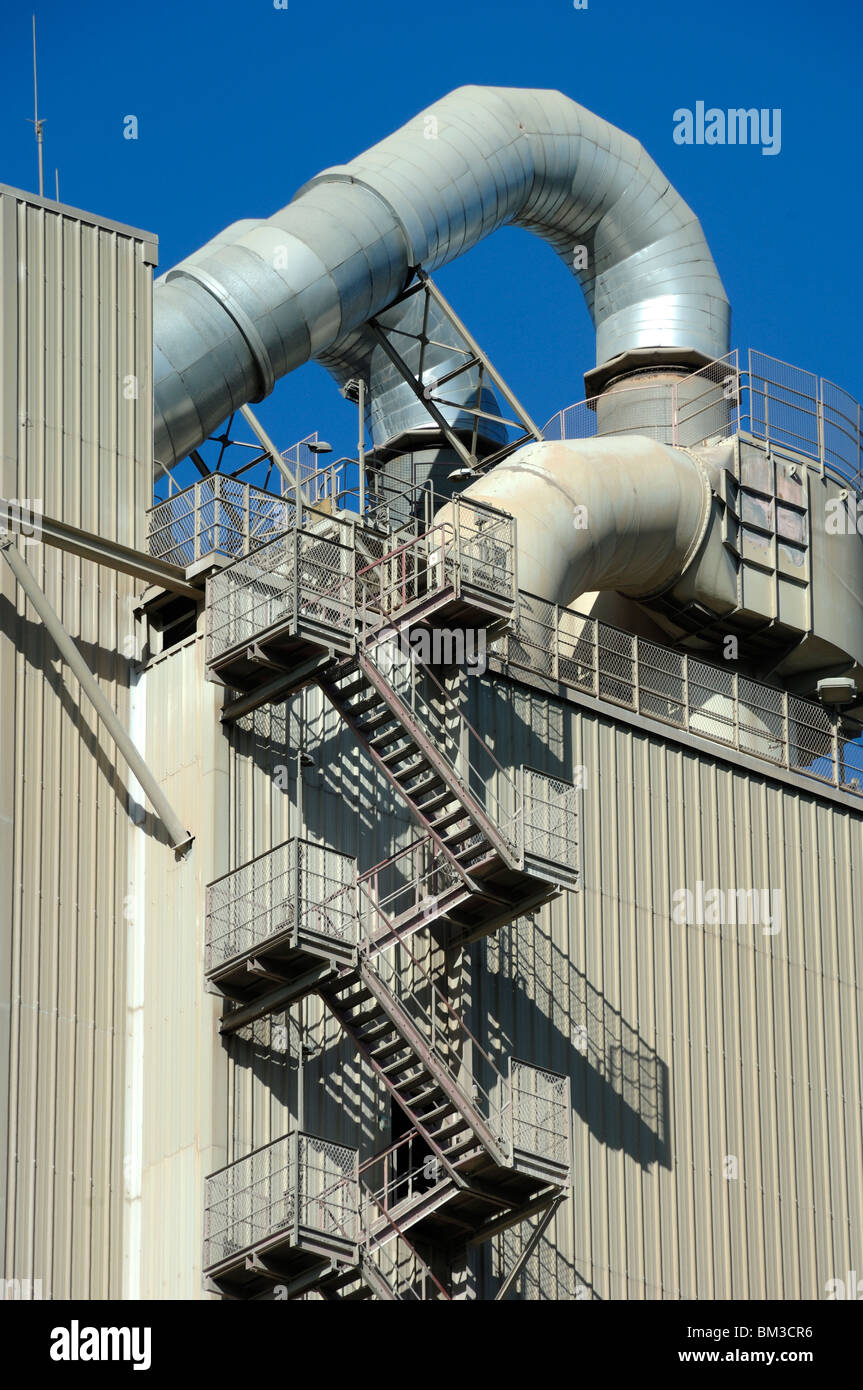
(180, 837)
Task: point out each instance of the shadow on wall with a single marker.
(37, 646)
(346, 803)
(620, 1087)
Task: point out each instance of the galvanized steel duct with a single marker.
(265, 296)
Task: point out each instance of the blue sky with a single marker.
(239, 103)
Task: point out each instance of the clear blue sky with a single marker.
(239, 103)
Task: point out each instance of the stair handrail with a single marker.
(424, 845)
(383, 961)
(372, 610)
(370, 1243)
(444, 739)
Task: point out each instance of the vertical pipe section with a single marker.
(180, 838)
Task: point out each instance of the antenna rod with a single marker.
(36, 122)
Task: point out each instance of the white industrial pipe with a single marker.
(623, 513)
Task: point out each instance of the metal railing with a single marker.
(550, 812)
(218, 515)
(449, 1041)
(298, 1183)
(298, 889)
(305, 574)
(474, 554)
(770, 399)
(541, 1113)
(678, 689)
(407, 887)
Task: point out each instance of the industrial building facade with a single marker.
(685, 969)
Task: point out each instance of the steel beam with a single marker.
(180, 837)
(267, 445)
(104, 552)
(528, 1250)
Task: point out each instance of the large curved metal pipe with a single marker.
(623, 513)
(265, 296)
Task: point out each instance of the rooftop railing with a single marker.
(770, 399)
(679, 689)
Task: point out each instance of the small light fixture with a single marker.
(837, 690)
(320, 446)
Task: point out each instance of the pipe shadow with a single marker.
(38, 648)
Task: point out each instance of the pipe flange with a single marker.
(255, 343)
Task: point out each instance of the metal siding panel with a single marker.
(63, 872)
(748, 1042)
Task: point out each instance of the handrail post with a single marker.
(786, 731)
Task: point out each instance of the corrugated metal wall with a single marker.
(75, 432)
(177, 1073)
(716, 1069)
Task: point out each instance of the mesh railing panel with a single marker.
(328, 1196)
(540, 1112)
(485, 548)
(295, 885)
(300, 573)
(550, 809)
(616, 665)
(249, 1201)
(295, 1179)
(661, 683)
(218, 515)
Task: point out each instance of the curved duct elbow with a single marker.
(624, 513)
(266, 296)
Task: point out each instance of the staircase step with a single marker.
(468, 833)
(469, 1141)
(396, 1044)
(348, 1000)
(395, 1068)
(367, 726)
(428, 1117)
(387, 739)
(370, 1022)
(408, 750)
(423, 1096)
(346, 691)
(373, 701)
(444, 798)
(448, 1130)
(440, 823)
(414, 792)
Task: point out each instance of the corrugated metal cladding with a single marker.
(716, 1069)
(75, 334)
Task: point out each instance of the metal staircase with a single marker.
(493, 846)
